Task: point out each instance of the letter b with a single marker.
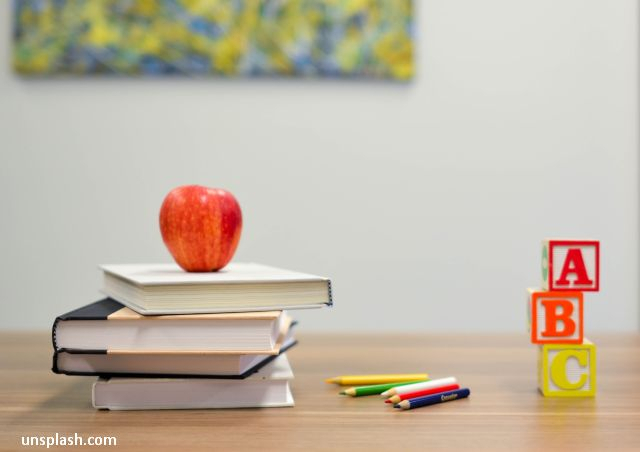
(556, 317)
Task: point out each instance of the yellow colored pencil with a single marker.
(354, 380)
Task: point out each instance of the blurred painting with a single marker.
(234, 38)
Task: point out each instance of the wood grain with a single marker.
(504, 411)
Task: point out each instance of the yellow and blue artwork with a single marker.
(234, 38)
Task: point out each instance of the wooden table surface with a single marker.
(504, 411)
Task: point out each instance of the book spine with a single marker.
(54, 365)
(54, 329)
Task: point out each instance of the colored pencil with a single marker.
(418, 386)
(373, 389)
(433, 399)
(423, 392)
(354, 380)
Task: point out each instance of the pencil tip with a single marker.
(387, 401)
(330, 380)
(342, 393)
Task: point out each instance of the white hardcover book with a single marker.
(268, 387)
(238, 287)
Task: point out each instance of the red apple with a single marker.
(201, 227)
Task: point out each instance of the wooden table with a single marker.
(504, 411)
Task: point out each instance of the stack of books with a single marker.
(168, 339)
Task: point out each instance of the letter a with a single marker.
(574, 264)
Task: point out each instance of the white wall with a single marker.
(426, 203)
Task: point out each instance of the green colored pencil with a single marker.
(374, 389)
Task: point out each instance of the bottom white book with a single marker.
(269, 387)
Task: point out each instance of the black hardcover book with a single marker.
(106, 338)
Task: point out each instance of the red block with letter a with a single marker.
(571, 265)
(556, 317)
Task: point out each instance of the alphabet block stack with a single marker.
(566, 359)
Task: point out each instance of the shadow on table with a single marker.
(74, 395)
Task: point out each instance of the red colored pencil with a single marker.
(423, 392)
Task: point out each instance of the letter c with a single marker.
(559, 368)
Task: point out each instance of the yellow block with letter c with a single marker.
(567, 370)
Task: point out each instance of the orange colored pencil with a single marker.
(357, 380)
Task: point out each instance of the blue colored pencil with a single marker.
(433, 399)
